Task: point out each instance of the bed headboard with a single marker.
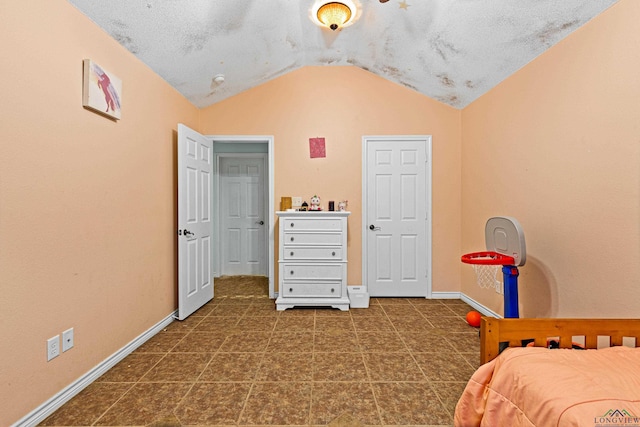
(597, 333)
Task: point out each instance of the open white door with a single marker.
(195, 256)
(397, 208)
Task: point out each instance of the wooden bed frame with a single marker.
(495, 331)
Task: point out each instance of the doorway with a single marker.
(244, 147)
(396, 216)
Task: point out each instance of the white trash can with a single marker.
(358, 297)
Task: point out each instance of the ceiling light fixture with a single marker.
(334, 14)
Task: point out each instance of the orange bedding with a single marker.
(534, 386)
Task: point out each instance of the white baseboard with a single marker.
(479, 307)
(63, 396)
(473, 303)
(445, 295)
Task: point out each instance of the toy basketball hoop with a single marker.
(487, 258)
(486, 265)
(505, 247)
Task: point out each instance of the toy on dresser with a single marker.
(315, 204)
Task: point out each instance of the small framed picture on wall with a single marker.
(317, 148)
(101, 90)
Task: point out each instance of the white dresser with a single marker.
(312, 260)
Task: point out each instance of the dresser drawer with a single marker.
(311, 271)
(312, 239)
(311, 290)
(323, 254)
(311, 224)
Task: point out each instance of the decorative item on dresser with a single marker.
(313, 260)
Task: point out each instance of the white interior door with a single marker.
(195, 227)
(243, 219)
(396, 216)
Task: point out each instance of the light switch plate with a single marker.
(296, 201)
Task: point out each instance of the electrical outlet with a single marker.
(67, 340)
(53, 347)
(296, 201)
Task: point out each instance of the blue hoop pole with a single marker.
(510, 275)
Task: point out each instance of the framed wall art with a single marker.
(101, 90)
(317, 148)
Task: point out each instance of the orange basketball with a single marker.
(473, 318)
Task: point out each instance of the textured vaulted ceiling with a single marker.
(450, 50)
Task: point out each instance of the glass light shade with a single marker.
(334, 14)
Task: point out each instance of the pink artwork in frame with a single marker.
(317, 148)
(101, 90)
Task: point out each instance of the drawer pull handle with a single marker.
(333, 254)
(332, 290)
(292, 224)
(291, 253)
(292, 239)
(291, 272)
(290, 289)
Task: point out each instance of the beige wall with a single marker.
(557, 146)
(87, 211)
(342, 104)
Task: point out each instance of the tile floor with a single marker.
(239, 362)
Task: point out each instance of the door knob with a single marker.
(373, 228)
(188, 233)
(260, 222)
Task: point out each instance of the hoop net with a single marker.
(486, 275)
